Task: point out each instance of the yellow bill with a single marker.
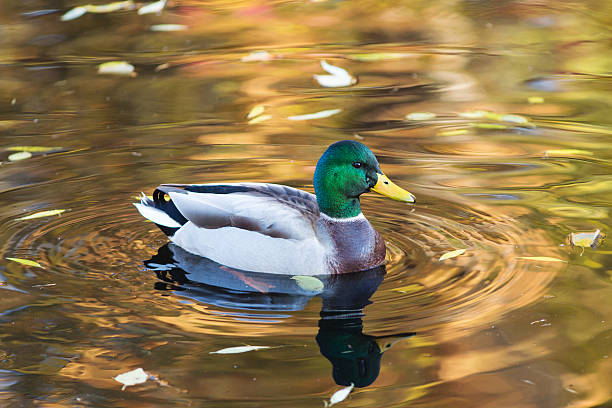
(389, 189)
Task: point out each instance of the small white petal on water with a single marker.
(41, 214)
(256, 111)
(338, 76)
(74, 13)
(257, 56)
(26, 262)
(587, 239)
(317, 115)
(340, 395)
(452, 254)
(137, 376)
(309, 283)
(154, 7)
(116, 68)
(19, 156)
(168, 27)
(239, 349)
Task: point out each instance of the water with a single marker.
(487, 328)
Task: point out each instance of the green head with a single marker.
(346, 170)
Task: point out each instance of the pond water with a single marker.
(507, 148)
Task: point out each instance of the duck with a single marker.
(272, 228)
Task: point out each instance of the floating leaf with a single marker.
(488, 126)
(567, 152)
(26, 262)
(317, 115)
(239, 349)
(521, 120)
(137, 376)
(109, 8)
(479, 114)
(257, 56)
(377, 56)
(420, 116)
(339, 395)
(168, 27)
(74, 13)
(452, 254)
(587, 239)
(309, 283)
(453, 132)
(259, 119)
(154, 7)
(31, 149)
(541, 258)
(256, 111)
(41, 214)
(116, 68)
(535, 99)
(19, 156)
(338, 76)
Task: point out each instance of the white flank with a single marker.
(317, 115)
(239, 349)
(340, 395)
(157, 216)
(137, 376)
(338, 77)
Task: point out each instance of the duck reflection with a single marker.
(355, 356)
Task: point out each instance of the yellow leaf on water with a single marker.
(19, 156)
(259, 119)
(541, 258)
(535, 99)
(377, 56)
(408, 288)
(256, 111)
(110, 7)
(453, 132)
(452, 254)
(420, 116)
(25, 262)
(41, 214)
(31, 149)
(567, 152)
(116, 68)
(309, 283)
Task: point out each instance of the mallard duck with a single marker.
(273, 228)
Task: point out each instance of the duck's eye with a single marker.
(357, 165)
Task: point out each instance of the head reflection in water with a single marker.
(355, 356)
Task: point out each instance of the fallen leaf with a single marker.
(26, 262)
(377, 56)
(73, 13)
(239, 349)
(521, 120)
(408, 288)
(256, 111)
(541, 258)
(420, 116)
(317, 115)
(116, 68)
(535, 99)
(567, 152)
(154, 7)
(453, 132)
(41, 214)
(452, 254)
(587, 239)
(338, 77)
(339, 395)
(309, 283)
(479, 114)
(19, 156)
(137, 376)
(259, 119)
(168, 27)
(32, 149)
